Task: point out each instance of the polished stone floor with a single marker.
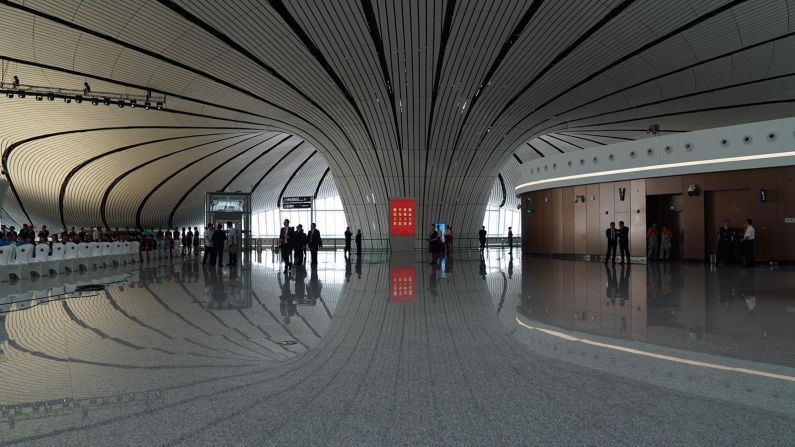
(387, 351)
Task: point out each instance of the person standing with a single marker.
(358, 242)
(183, 242)
(231, 235)
(482, 238)
(623, 241)
(652, 242)
(433, 241)
(724, 242)
(208, 244)
(510, 241)
(448, 236)
(315, 242)
(348, 235)
(666, 243)
(189, 241)
(612, 242)
(748, 243)
(284, 244)
(196, 239)
(299, 241)
(219, 236)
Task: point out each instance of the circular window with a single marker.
(689, 147)
(595, 160)
(546, 168)
(668, 149)
(649, 152)
(724, 142)
(582, 161)
(771, 136)
(747, 139)
(611, 157)
(554, 166)
(570, 163)
(632, 154)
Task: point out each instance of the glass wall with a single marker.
(497, 220)
(328, 215)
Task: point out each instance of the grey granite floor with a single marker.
(382, 351)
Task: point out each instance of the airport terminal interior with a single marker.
(397, 222)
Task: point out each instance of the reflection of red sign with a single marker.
(402, 284)
(401, 217)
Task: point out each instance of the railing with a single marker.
(382, 244)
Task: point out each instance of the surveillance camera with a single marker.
(654, 129)
(691, 190)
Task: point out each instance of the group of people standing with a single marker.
(659, 242)
(348, 236)
(727, 238)
(293, 243)
(215, 239)
(617, 237)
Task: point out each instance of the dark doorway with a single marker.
(667, 210)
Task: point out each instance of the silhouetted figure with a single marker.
(358, 242)
(348, 271)
(623, 285)
(510, 240)
(286, 305)
(315, 242)
(725, 238)
(612, 284)
(433, 241)
(666, 243)
(231, 235)
(315, 285)
(612, 241)
(285, 244)
(219, 236)
(299, 242)
(748, 243)
(482, 238)
(623, 241)
(359, 267)
(510, 266)
(208, 244)
(652, 242)
(348, 235)
(482, 267)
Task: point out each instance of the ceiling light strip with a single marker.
(656, 167)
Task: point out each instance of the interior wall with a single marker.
(573, 219)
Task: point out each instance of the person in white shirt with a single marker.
(748, 243)
(231, 235)
(208, 242)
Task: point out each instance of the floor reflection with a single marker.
(333, 354)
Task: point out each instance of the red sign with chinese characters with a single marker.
(401, 217)
(402, 284)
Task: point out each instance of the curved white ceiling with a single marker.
(428, 99)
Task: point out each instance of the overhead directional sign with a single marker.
(297, 202)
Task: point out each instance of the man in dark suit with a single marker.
(510, 240)
(285, 244)
(348, 235)
(299, 241)
(612, 241)
(315, 242)
(482, 238)
(219, 236)
(623, 241)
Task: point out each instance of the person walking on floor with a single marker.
(218, 238)
(724, 242)
(348, 235)
(285, 241)
(623, 241)
(612, 241)
(208, 244)
(358, 242)
(666, 243)
(433, 242)
(231, 235)
(652, 243)
(315, 242)
(299, 241)
(748, 243)
(482, 238)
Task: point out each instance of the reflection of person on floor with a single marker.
(666, 280)
(482, 267)
(359, 267)
(748, 290)
(623, 285)
(300, 282)
(652, 242)
(348, 271)
(666, 243)
(724, 242)
(286, 305)
(315, 287)
(653, 281)
(612, 284)
(726, 293)
(510, 267)
(432, 285)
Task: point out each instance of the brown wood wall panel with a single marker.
(563, 226)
